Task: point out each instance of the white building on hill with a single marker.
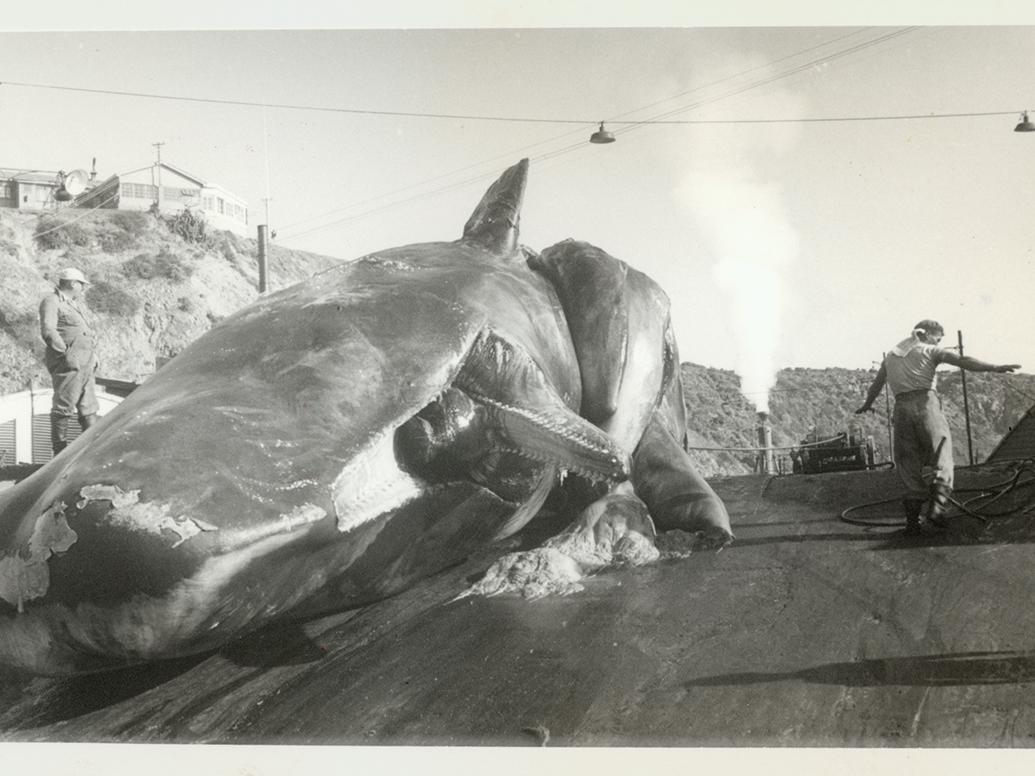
(172, 189)
(29, 189)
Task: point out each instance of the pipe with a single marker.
(263, 286)
(765, 443)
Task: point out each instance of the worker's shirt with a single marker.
(64, 325)
(911, 365)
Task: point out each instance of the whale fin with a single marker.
(494, 223)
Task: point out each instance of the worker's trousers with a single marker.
(74, 394)
(923, 444)
(74, 391)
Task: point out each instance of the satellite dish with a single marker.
(75, 182)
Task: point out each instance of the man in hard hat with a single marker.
(71, 356)
(922, 438)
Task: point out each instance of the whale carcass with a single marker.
(335, 442)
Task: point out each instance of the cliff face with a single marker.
(159, 284)
(156, 284)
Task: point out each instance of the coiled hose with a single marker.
(984, 498)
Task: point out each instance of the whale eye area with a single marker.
(443, 440)
(457, 438)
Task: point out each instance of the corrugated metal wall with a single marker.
(8, 451)
(41, 451)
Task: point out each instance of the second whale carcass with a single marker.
(333, 443)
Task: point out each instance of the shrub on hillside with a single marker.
(123, 231)
(113, 242)
(54, 232)
(103, 297)
(188, 225)
(164, 264)
(132, 222)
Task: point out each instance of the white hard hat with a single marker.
(73, 274)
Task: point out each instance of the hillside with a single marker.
(158, 284)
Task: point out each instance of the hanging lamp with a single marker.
(601, 135)
(1025, 125)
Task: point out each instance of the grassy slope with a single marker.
(152, 291)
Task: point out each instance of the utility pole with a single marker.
(966, 404)
(158, 171)
(263, 284)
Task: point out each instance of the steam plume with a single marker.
(743, 220)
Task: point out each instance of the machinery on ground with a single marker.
(845, 451)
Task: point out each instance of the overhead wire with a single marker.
(517, 119)
(627, 125)
(510, 154)
(633, 125)
(394, 113)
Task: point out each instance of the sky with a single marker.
(781, 239)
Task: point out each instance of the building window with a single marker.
(139, 190)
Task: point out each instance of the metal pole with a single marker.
(158, 170)
(32, 423)
(262, 259)
(966, 403)
(887, 412)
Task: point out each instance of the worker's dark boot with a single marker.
(911, 507)
(85, 421)
(937, 506)
(58, 433)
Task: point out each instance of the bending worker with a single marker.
(922, 439)
(71, 357)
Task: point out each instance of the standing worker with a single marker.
(71, 356)
(922, 438)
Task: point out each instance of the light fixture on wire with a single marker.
(601, 135)
(1025, 125)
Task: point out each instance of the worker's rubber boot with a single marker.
(58, 433)
(937, 506)
(85, 421)
(911, 507)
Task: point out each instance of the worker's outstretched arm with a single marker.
(875, 389)
(972, 364)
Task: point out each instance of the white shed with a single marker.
(25, 422)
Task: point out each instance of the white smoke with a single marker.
(743, 218)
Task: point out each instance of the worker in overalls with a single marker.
(923, 444)
(71, 356)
